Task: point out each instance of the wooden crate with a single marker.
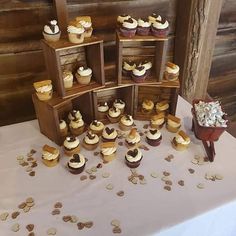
(63, 55)
(140, 48)
(109, 94)
(49, 113)
(156, 93)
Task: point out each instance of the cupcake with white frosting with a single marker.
(133, 158)
(83, 75)
(96, 127)
(172, 71)
(114, 114)
(108, 151)
(154, 17)
(181, 141)
(67, 79)
(71, 145)
(129, 27)
(109, 135)
(74, 115)
(76, 126)
(154, 137)
(127, 68)
(76, 164)
(118, 103)
(75, 32)
(126, 122)
(143, 28)
(50, 156)
(63, 128)
(102, 110)
(147, 65)
(133, 138)
(90, 141)
(160, 28)
(121, 18)
(51, 31)
(139, 74)
(86, 22)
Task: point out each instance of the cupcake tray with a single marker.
(63, 55)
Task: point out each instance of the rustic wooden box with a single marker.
(140, 48)
(156, 93)
(109, 94)
(49, 113)
(63, 55)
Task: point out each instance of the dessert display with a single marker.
(109, 135)
(51, 31)
(114, 114)
(96, 127)
(76, 126)
(43, 90)
(162, 107)
(63, 128)
(147, 65)
(71, 145)
(76, 164)
(160, 28)
(171, 72)
(67, 79)
(90, 141)
(74, 115)
(157, 121)
(147, 106)
(83, 75)
(86, 22)
(126, 122)
(139, 74)
(181, 141)
(143, 27)
(129, 27)
(154, 137)
(154, 17)
(133, 138)
(50, 156)
(121, 18)
(108, 151)
(127, 68)
(173, 123)
(133, 158)
(75, 32)
(119, 104)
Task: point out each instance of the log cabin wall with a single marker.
(222, 83)
(21, 58)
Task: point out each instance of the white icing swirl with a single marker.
(154, 136)
(108, 151)
(103, 108)
(75, 30)
(99, 126)
(174, 70)
(137, 72)
(77, 164)
(62, 124)
(94, 140)
(119, 105)
(160, 25)
(158, 121)
(121, 18)
(44, 89)
(133, 140)
(143, 23)
(147, 65)
(154, 18)
(84, 72)
(130, 25)
(148, 106)
(128, 67)
(127, 122)
(50, 156)
(105, 135)
(48, 30)
(138, 157)
(76, 123)
(76, 113)
(179, 139)
(114, 112)
(161, 107)
(71, 145)
(85, 24)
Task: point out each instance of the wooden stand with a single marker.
(138, 49)
(163, 91)
(49, 113)
(63, 55)
(109, 94)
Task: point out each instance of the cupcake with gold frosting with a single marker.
(157, 121)
(173, 123)
(162, 107)
(50, 156)
(90, 141)
(43, 90)
(126, 122)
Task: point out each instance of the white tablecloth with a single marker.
(143, 210)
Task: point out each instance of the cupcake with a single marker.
(86, 22)
(51, 31)
(181, 141)
(43, 90)
(122, 18)
(126, 122)
(154, 17)
(162, 107)
(67, 79)
(133, 158)
(83, 75)
(119, 104)
(102, 110)
(133, 138)
(172, 71)
(139, 74)
(90, 141)
(76, 126)
(157, 121)
(96, 127)
(114, 115)
(173, 123)
(50, 156)
(63, 128)
(74, 115)
(129, 27)
(108, 151)
(127, 68)
(109, 135)
(76, 164)
(143, 27)
(160, 28)
(147, 106)
(154, 137)
(148, 66)
(75, 33)
(71, 145)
